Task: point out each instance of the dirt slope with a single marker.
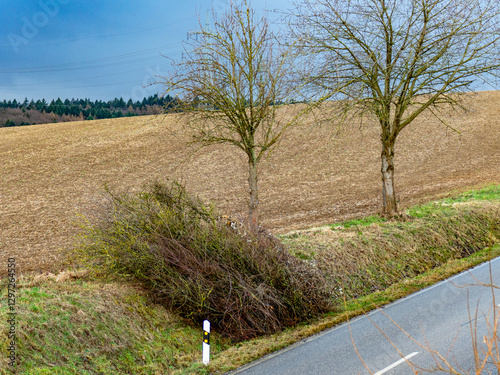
(51, 173)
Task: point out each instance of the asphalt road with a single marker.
(435, 318)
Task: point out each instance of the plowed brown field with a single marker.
(51, 173)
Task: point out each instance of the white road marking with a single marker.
(404, 359)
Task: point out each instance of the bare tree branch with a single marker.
(231, 85)
(395, 59)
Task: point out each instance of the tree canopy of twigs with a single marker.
(395, 59)
(234, 77)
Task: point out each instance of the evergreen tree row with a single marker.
(14, 113)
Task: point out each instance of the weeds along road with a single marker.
(436, 318)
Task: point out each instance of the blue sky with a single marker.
(97, 49)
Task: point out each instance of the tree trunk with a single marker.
(254, 197)
(388, 193)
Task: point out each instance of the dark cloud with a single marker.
(93, 48)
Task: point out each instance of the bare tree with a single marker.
(395, 59)
(230, 84)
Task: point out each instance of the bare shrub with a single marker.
(246, 285)
(373, 260)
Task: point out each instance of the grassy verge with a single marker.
(71, 324)
(370, 254)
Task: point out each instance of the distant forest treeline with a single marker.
(14, 113)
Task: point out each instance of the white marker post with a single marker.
(206, 342)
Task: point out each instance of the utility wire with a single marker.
(95, 63)
(65, 41)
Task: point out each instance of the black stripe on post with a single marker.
(206, 337)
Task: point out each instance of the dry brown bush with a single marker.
(246, 285)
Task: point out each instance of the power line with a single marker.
(75, 87)
(77, 79)
(71, 40)
(95, 63)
